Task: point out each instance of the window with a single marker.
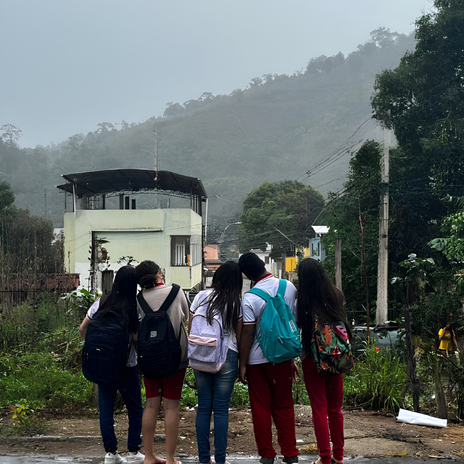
(185, 250)
(195, 250)
(315, 247)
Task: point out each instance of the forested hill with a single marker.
(277, 128)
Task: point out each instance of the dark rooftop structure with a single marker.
(117, 180)
(114, 182)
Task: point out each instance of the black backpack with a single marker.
(159, 351)
(106, 348)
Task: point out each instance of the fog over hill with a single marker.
(299, 127)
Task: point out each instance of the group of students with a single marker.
(317, 301)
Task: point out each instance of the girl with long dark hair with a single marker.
(321, 302)
(215, 390)
(120, 304)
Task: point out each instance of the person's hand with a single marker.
(242, 375)
(295, 372)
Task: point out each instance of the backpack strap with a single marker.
(167, 302)
(266, 296)
(282, 287)
(261, 293)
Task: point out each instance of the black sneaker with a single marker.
(266, 460)
(290, 460)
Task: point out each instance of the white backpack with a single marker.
(207, 351)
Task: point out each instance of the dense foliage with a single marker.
(377, 381)
(280, 214)
(422, 100)
(29, 251)
(346, 211)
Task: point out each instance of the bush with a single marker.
(239, 395)
(377, 381)
(40, 378)
(18, 327)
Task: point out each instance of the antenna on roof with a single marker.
(155, 130)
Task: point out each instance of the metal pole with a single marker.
(338, 263)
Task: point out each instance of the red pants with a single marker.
(270, 389)
(325, 393)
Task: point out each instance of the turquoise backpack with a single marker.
(276, 331)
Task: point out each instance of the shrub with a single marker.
(39, 378)
(377, 381)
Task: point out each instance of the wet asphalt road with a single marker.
(10, 459)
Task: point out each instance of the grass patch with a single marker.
(41, 379)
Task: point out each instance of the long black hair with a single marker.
(319, 298)
(121, 301)
(227, 292)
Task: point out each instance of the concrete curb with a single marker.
(58, 438)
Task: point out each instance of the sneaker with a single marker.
(111, 458)
(134, 456)
(266, 460)
(293, 459)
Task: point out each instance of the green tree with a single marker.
(7, 199)
(358, 200)
(278, 213)
(452, 245)
(423, 101)
(10, 134)
(28, 246)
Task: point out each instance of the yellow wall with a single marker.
(290, 264)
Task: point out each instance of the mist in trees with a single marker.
(274, 129)
(28, 246)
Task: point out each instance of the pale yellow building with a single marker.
(118, 215)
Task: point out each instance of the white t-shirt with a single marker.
(253, 306)
(201, 300)
(132, 359)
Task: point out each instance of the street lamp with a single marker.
(221, 237)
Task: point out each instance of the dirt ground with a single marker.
(367, 434)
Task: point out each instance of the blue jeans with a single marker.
(214, 392)
(129, 385)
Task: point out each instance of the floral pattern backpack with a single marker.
(331, 348)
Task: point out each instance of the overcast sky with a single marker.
(69, 64)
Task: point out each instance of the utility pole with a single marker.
(155, 130)
(382, 269)
(338, 263)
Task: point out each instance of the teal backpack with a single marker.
(276, 331)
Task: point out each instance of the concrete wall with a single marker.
(142, 234)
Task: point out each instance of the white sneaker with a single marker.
(132, 456)
(111, 458)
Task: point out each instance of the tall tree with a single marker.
(7, 199)
(278, 213)
(423, 101)
(358, 200)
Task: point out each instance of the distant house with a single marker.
(120, 215)
(315, 244)
(212, 261)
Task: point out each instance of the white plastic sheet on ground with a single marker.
(417, 418)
